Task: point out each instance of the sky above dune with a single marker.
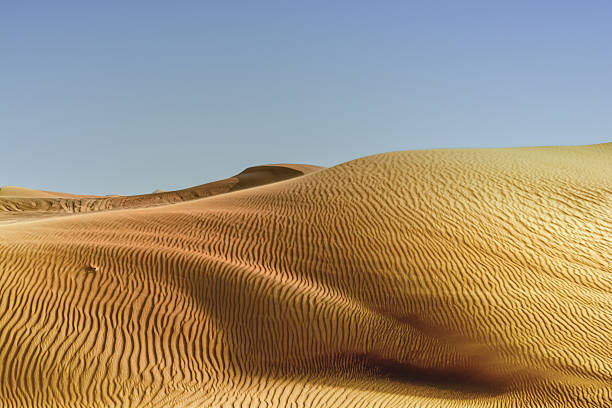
(127, 97)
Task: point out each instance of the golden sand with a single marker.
(443, 278)
(19, 203)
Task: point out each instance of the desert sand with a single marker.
(439, 278)
(19, 203)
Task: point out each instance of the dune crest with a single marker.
(23, 192)
(440, 278)
(22, 204)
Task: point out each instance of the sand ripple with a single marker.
(444, 278)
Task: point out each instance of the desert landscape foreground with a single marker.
(436, 278)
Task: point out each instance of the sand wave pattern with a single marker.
(444, 278)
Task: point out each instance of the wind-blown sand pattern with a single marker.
(444, 278)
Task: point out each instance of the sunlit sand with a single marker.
(440, 278)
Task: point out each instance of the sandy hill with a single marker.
(22, 192)
(445, 278)
(19, 203)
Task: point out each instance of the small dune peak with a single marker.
(271, 173)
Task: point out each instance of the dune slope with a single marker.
(445, 278)
(23, 204)
(22, 192)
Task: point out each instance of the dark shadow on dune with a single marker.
(363, 371)
(260, 175)
(368, 372)
(465, 381)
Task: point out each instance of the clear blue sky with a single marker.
(127, 96)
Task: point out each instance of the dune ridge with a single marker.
(23, 192)
(19, 203)
(440, 278)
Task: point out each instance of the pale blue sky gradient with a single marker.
(126, 97)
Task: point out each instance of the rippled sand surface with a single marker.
(443, 278)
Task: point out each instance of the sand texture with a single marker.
(442, 278)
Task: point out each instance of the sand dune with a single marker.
(444, 278)
(23, 192)
(22, 204)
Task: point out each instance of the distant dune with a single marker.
(440, 278)
(22, 192)
(20, 204)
